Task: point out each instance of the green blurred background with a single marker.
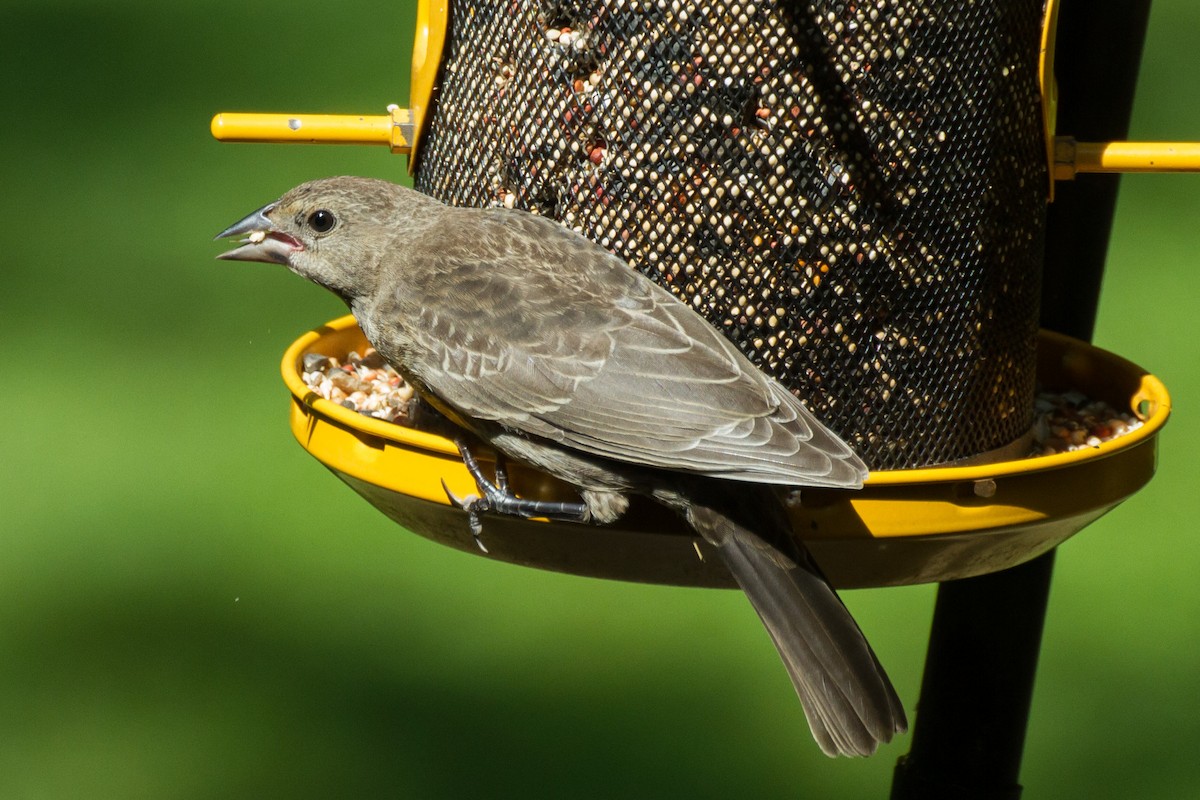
(191, 607)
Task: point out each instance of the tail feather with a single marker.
(849, 702)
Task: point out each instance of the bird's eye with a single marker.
(322, 221)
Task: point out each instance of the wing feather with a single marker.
(614, 366)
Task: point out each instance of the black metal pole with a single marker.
(1099, 51)
(971, 719)
(975, 696)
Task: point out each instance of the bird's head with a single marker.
(331, 231)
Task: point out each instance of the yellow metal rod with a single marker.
(301, 128)
(428, 43)
(393, 130)
(1072, 157)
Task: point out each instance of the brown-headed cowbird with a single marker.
(558, 354)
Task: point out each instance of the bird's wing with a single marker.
(676, 393)
(529, 325)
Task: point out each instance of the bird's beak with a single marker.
(263, 242)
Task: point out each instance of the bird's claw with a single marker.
(474, 505)
(495, 497)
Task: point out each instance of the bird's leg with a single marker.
(496, 498)
(505, 502)
(502, 473)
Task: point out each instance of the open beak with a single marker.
(262, 241)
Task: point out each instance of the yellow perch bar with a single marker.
(1072, 157)
(394, 130)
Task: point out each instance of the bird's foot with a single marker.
(496, 498)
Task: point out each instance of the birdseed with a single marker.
(1069, 421)
(363, 383)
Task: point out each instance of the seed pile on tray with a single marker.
(1063, 421)
(1072, 421)
(363, 383)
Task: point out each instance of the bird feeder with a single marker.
(855, 198)
(856, 194)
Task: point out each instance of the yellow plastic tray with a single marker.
(903, 527)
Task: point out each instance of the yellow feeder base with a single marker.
(903, 527)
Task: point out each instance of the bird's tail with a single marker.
(847, 697)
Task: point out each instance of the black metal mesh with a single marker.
(854, 192)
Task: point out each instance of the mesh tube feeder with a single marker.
(855, 196)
